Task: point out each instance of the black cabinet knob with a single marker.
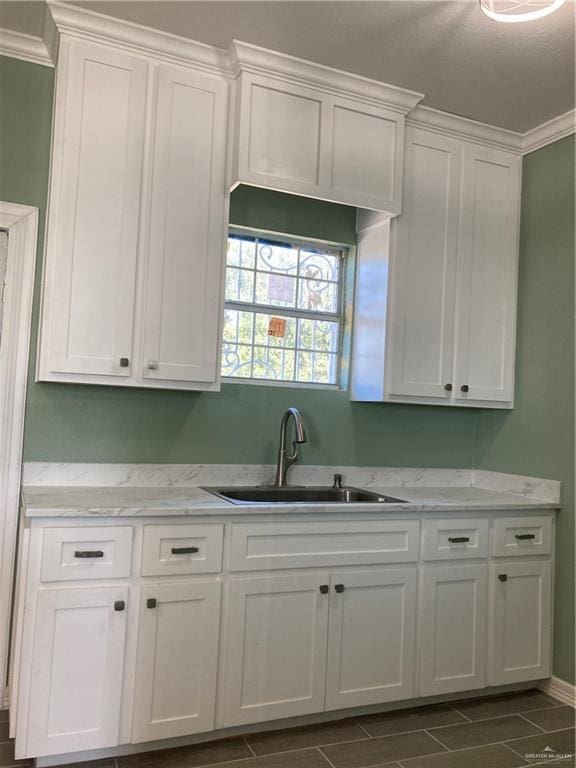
(124, 362)
(151, 602)
(324, 588)
(464, 388)
(458, 539)
(503, 576)
(525, 536)
(448, 387)
(339, 588)
(119, 605)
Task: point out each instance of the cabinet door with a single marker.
(371, 638)
(77, 669)
(177, 660)
(187, 232)
(487, 276)
(453, 630)
(424, 252)
(366, 154)
(520, 622)
(280, 135)
(90, 271)
(276, 655)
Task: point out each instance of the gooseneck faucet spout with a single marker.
(285, 459)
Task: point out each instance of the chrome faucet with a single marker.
(285, 459)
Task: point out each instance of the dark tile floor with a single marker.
(509, 731)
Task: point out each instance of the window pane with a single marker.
(317, 296)
(275, 364)
(238, 326)
(236, 360)
(304, 372)
(319, 266)
(275, 289)
(233, 255)
(319, 335)
(241, 252)
(273, 331)
(277, 258)
(268, 345)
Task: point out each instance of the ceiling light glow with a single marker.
(519, 10)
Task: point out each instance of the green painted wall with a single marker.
(80, 423)
(537, 437)
(278, 212)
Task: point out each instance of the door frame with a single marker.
(21, 223)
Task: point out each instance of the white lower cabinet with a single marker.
(307, 642)
(520, 621)
(276, 647)
(77, 669)
(371, 639)
(235, 625)
(453, 628)
(177, 662)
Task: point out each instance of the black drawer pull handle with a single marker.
(324, 589)
(119, 605)
(184, 550)
(525, 536)
(503, 577)
(151, 602)
(339, 588)
(458, 539)
(86, 553)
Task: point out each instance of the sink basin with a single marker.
(260, 494)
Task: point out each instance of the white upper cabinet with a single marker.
(186, 241)
(425, 250)
(318, 132)
(442, 328)
(366, 155)
(91, 252)
(486, 294)
(137, 222)
(279, 135)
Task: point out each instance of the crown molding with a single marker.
(549, 132)
(27, 47)
(88, 25)
(245, 57)
(464, 128)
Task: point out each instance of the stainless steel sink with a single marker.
(259, 494)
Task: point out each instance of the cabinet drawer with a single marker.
(102, 552)
(169, 550)
(269, 546)
(455, 539)
(522, 536)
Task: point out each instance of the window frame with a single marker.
(346, 251)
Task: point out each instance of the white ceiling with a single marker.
(512, 75)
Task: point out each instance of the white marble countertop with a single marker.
(155, 501)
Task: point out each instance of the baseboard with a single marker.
(559, 689)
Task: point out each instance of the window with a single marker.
(283, 310)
